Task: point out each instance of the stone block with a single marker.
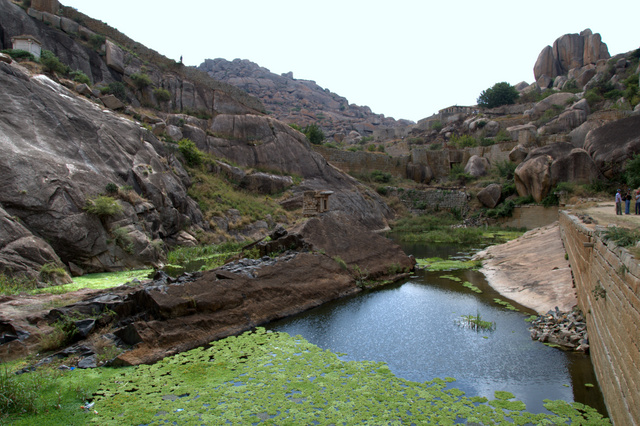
(51, 19)
(69, 26)
(50, 6)
(35, 14)
(112, 102)
(114, 56)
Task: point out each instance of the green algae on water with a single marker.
(269, 378)
(439, 264)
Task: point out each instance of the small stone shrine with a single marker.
(315, 202)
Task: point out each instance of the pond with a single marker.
(414, 326)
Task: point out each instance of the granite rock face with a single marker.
(569, 52)
(298, 101)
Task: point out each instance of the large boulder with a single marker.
(612, 144)
(477, 166)
(22, 253)
(533, 177)
(568, 52)
(490, 196)
(549, 165)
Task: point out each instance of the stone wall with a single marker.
(364, 162)
(437, 199)
(439, 162)
(608, 286)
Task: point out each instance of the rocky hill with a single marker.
(300, 102)
(93, 177)
(578, 122)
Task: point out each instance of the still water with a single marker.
(414, 326)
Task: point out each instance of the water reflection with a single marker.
(414, 328)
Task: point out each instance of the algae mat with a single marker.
(270, 378)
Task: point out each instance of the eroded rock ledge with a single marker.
(167, 316)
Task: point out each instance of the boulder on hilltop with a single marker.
(568, 52)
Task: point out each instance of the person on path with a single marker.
(618, 203)
(627, 202)
(638, 201)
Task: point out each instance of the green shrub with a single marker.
(371, 148)
(111, 188)
(632, 171)
(51, 63)
(437, 125)
(19, 393)
(382, 190)
(122, 239)
(506, 169)
(192, 155)
(96, 41)
(500, 94)
(49, 272)
(487, 142)
(623, 237)
(435, 147)
(103, 206)
(80, 77)
(116, 89)
(503, 136)
(19, 54)
(464, 141)
(16, 283)
(380, 176)
(141, 80)
(162, 95)
(593, 97)
(314, 134)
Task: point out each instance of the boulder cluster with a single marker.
(567, 330)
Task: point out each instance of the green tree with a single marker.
(500, 94)
(314, 134)
(632, 172)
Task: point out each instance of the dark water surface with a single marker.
(414, 327)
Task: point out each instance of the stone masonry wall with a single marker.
(608, 287)
(360, 161)
(437, 199)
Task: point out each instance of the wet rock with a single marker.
(566, 330)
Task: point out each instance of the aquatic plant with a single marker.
(506, 305)
(439, 264)
(262, 377)
(475, 322)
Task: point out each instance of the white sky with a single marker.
(403, 58)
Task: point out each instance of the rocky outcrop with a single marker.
(301, 102)
(545, 167)
(477, 166)
(568, 52)
(612, 144)
(66, 155)
(22, 253)
(336, 257)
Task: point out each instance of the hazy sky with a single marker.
(403, 58)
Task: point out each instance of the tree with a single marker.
(500, 94)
